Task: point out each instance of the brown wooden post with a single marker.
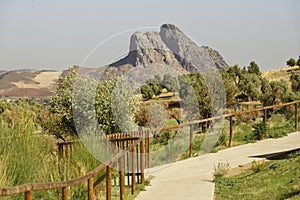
(65, 192)
(28, 195)
(90, 188)
(137, 163)
(142, 162)
(108, 183)
(133, 182)
(147, 149)
(265, 116)
(296, 116)
(122, 181)
(231, 134)
(191, 141)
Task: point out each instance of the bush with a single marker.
(258, 166)
(260, 131)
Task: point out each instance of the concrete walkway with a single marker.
(192, 179)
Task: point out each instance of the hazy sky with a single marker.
(52, 34)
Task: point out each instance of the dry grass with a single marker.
(42, 80)
(278, 74)
(3, 174)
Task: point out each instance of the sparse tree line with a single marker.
(293, 62)
(241, 84)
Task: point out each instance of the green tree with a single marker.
(197, 94)
(147, 92)
(156, 88)
(249, 85)
(84, 97)
(171, 83)
(253, 68)
(230, 87)
(235, 73)
(295, 80)
(61, 105)
(298, 62)
(291, 62)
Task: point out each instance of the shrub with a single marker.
(257, 166)
(260, 131)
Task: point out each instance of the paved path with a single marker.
(192, 179)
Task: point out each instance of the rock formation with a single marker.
(169, 47)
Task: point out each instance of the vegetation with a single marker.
(292, 62)
(270, 180)
(87, 97)
(29, 153)
(28, 156)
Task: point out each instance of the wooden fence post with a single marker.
(191, 141)
(133, 182)
(28, 195)
(147, 149)
(65, 192)
(90, 188)
(265, 117)
(122, 181)
(142, 162)
(108, 183)
(231, 134)
(296, 116)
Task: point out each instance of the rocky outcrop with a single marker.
(169, 47)
(191, 56)
(148, 48)
(216, 57)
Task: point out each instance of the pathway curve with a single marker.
(192, 179)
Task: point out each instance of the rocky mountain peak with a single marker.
(169, 47)
(170, 27)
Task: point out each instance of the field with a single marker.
(278, 179)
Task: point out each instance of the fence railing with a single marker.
(137, 144)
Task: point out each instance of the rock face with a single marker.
(148, 48)
(169, 47)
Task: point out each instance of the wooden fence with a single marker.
(136, 144)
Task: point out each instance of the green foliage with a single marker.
(275, 92)
(88, 97)
(170, 83)
(253, 68)
(272, 180)
(147, 92)
(260, 131)
(230, 86)
(197, 93)
(29, 156)
(249, 85)
(61, 105)
(298, 61)
(291, 62)
(257, 166)
(295, 80)
(156, 88)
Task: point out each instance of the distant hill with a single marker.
(2, 71)
(153, 51)
(278, 74)
(28, 83)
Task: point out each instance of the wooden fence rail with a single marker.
(136, 144)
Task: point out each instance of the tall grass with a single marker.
(30, 157)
